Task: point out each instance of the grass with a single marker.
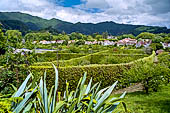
(155, 102)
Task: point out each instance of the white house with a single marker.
(165, 45)
(107, 42)
(127, 41)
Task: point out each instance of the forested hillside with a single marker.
(26, 23)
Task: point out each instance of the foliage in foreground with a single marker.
(86, 98)
(151, 75)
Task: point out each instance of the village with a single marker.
(124, 42)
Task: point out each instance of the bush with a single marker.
(126, 51)
(151, 75)
(52, 56)
(164, 60)
(116, 59)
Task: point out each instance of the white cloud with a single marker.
(96, 4)
(121, 11)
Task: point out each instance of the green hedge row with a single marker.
(71, 62)
(52, 56)
(115, 58)
(94, 59)
(126, 51)
(108, 74)
(104, 57)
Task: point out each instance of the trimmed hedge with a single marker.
(115, 58)
(94, 59)
(103, 57)
(108, 74)
(126, 51)
(71, 62)
(52, 56)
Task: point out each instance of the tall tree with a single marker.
(2, 42)
(105, 35)
(14, 38)
(146, 35)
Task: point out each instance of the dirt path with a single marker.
(133, 88)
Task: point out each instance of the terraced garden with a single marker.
(106, 66)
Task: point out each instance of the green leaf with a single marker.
(77, 89)
(27, 108)
(58, 106)
(56, 86)
(22, 87)
(50, 95)
(99, 93)
(21, 105)
(71, 108)
(90, 103)
(105, 96)
(45, 98)
(14, 87)
(88, 87)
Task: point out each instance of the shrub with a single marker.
(164, 60)
(126, 51)
(150, 74)
(52, 56)
(105, 73)
(116, 59)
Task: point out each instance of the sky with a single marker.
(137, 12)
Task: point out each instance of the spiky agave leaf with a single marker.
(104, 97)
(22, 87)
(22, 104)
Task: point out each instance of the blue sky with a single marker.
(69, 3)
(137, 12)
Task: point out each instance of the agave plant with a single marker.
(86, 98)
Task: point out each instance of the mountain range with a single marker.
(26, 23)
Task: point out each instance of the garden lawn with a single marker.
(155, 102)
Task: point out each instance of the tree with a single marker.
(89, 38)
(65, 37)
(14, 38)
(105, 35)
(156, 46)
(94, 35)
(80, 42)
(157, 39)
(126, 36)
(2, 42)
(167, 39)
(98, 37)
(38, 36)
(146, 35)
(74, 36)
(151, 75)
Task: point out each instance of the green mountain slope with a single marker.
(29, 20)
(26, 22)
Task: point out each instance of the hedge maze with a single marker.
(105, 66)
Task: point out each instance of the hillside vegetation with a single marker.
(25, 22)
